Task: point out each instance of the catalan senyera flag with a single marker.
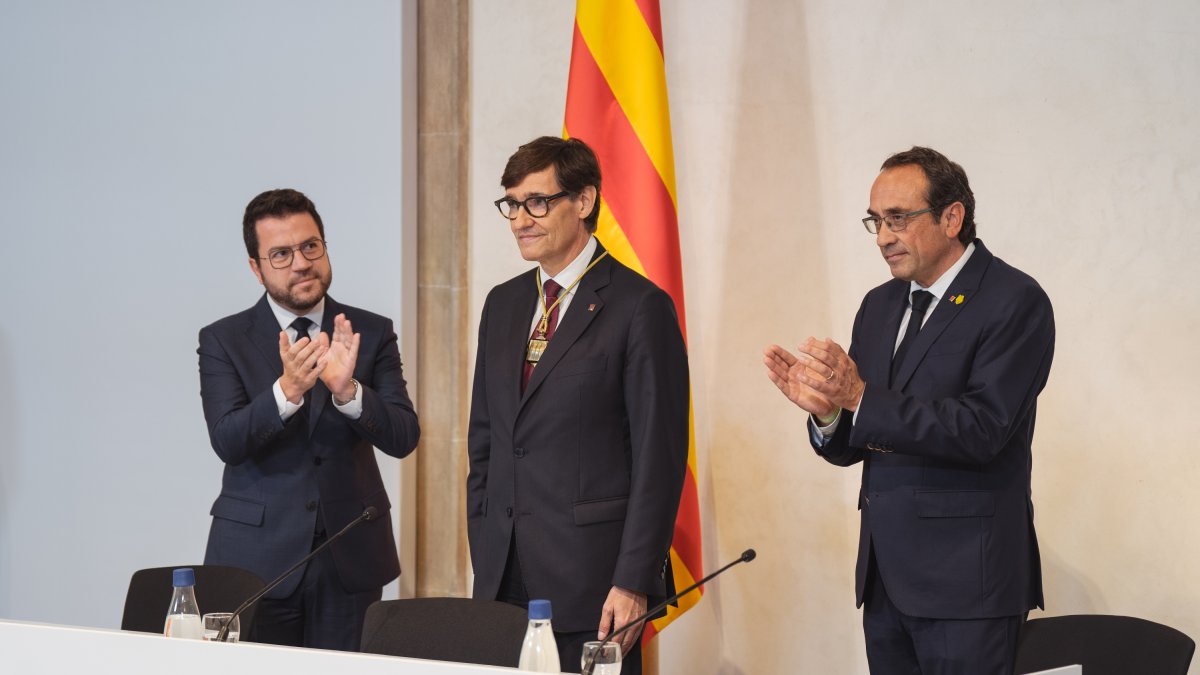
(617, 104)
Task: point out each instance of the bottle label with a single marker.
(187, 626)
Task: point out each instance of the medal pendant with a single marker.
(536, 346)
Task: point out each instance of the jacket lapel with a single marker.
(895, 304)
(945, 312)
(515, 335)
(263, 332)
(585, 306)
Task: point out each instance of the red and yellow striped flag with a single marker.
(617, 104)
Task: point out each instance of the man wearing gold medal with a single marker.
(578, 433)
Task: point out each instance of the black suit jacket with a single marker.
(281, 476)
(589, 463)
(945, 497)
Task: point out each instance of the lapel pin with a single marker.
(591, 306)
(957, 299)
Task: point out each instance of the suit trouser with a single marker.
(570, 645)
(320, 613)
(898, 644)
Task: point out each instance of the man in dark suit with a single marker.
(578, 435)
(937, 398)
(294, 412)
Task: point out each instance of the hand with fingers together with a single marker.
(831, 372)
(790, 372)
(301, 365)
(339, 360)
(620, 608)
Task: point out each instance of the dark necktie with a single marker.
(920, 303)
(552, 289)
(301, 325)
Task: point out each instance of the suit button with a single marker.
(508, 511)
(317, 461)
(519, 452)
(311, 506)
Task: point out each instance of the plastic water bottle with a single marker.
(183, 616)
(539, 652)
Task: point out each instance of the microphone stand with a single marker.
(747, 555)
(369, 513)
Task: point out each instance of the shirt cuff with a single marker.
(353, 407)
(286, 407)
(824, 433)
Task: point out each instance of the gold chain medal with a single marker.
(538, 341)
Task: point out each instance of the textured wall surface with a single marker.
(1076, 122)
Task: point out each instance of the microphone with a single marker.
(370, 513)
(747, 555)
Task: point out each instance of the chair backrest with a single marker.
(1103, 645)
(447, 629)
(218, 589)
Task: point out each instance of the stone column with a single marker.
(442, 558)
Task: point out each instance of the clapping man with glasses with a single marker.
(297, 391)
(936, 397)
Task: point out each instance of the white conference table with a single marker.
(50, 649)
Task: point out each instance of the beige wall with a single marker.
(1077, 122)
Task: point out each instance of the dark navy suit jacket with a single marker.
(945, 499)
(281, 476)
(589, 463)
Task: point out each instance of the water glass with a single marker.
(606, 655)
(213, 622)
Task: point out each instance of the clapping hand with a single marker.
(337, 371)
(301, 365)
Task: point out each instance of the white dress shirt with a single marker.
(565, 278)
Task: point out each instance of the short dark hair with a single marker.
(574, 163)
(275, 204)
(947, 184)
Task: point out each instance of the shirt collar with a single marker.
(285, 317)
(939, 287)
(571, 272)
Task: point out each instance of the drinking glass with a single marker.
(213, 622)
(607, 657)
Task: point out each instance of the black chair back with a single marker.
(484, 632)
(1103, 645)
(218, 589)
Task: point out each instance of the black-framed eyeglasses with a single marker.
(896, 222)
(537, 206)
(281, 258)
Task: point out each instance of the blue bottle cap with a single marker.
(183, 576)
(539, 610)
